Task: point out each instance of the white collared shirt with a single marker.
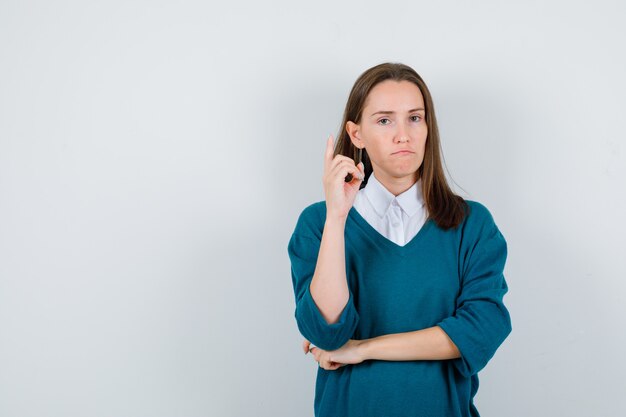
(399, 218)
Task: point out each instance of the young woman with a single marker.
(398, 282)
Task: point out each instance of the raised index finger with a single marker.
(328, 155)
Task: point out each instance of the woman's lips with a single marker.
(402, 153)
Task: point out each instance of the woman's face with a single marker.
(393, 120)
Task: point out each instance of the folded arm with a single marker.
(469, 337)
(426, 344)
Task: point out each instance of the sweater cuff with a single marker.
(318, 331)
(456, 335)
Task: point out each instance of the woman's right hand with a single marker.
(340, 194)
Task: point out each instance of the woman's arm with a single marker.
(427, 344)
(325, 310)
(329, 286)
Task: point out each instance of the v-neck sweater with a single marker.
(448, 278)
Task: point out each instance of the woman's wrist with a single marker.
(336, 219)
(364, 349)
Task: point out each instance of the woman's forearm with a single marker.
(426, 344)
(329, 286)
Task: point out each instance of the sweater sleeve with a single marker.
(481, 321)
(303, 252)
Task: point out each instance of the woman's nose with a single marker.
(402, 134)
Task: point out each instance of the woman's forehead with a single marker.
(391, 95)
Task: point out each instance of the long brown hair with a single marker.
(443, 206)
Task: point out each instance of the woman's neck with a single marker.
(396, 185)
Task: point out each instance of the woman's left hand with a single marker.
(349, 354)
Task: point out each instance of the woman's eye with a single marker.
(380, 121)
(418, 118)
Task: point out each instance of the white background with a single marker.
(154, 157)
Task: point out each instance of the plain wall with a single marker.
(154, 157)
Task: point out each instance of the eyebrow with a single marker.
(392, 112)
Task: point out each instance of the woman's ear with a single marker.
(353, 131)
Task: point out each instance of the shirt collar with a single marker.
(381, 198)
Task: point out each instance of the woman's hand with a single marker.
(340, 194)
(349, 354)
